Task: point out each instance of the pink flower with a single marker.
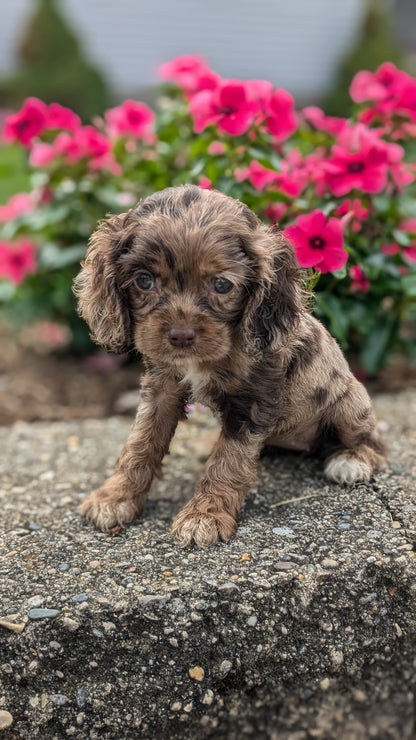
(320, 121)
(216, 148)
(359, 160)
(280, 119)
(204, 183)
(276, 108)
(305, 169)
(260, 90)
(318, 242)
(28, 123)
(86, 141)
(36, 117)
(275, 212)
(409, 253)
(16, 206)
(360, 282)
(392, 91)
(130, 119)
(261, 178)
(408, 224)
(227, 106)
(61, 117)
(191, 73)
(378, 85)
(42, 154)
(352, 212)
(105, 161)
(17, 260)
(390, 249)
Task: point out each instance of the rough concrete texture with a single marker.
(302, 626)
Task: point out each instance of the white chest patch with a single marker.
(197, 380)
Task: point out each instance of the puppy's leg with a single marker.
(212, 512)
(121, 498)
(363, 450)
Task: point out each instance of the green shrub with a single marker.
(343, 190)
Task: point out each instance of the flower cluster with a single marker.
(392, 97)
(343, 190)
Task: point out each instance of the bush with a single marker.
(343, 190)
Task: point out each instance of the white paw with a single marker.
(346, 469)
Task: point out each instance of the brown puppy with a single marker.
(213, 300)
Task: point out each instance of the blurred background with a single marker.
(90, 55)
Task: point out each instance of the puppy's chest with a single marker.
(198, 381)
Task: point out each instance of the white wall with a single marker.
(294, 43)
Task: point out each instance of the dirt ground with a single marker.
(56, 386)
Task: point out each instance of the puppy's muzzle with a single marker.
(181, 337)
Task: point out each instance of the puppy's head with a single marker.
(186, 275)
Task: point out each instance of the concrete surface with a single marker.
(303, 626)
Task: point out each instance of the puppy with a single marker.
(213, 301)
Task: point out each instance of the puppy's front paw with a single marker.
(109, 507)
(193, 525)
(345, 468)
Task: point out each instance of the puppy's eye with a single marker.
(145, 280)
(222, 285)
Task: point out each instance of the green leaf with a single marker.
(401, 238)
(381, 203)
(330, 306)
(53, 258)
(7, 290)
(37, 220)
(327, 208)
(275, 160)
(199, 166)
(379, 344)
(341, 273)
(408, 206)
(408, 283)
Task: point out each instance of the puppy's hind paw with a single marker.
(345, 468)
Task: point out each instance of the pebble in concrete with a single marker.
(6, 719)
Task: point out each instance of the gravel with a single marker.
(301, 626)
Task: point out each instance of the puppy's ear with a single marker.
(101, 302)
(277, 299)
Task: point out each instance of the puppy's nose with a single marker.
(181, 336)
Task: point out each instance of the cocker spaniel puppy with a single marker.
(213, 301)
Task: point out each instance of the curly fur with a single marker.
(255, 355)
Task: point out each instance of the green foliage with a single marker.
(14, 176)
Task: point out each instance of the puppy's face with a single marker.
(186, 275)
(187, 288)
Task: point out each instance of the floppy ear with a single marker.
(100, 301)
(277, 298)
